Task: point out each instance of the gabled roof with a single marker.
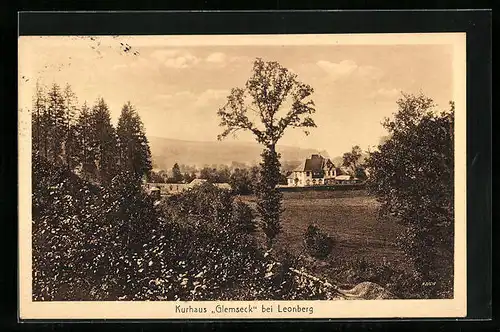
(316, 163)
(301, 167)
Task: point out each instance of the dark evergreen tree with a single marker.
(37, 117)
(104, 141)
(69, 122)
(86, 142)
(53, 125)
(134, 152)
(176, 174)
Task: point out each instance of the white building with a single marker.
(316, 170)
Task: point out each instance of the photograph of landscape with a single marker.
(163, 171)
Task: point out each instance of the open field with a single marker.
(350, 217)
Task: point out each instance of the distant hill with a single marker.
(165, 152)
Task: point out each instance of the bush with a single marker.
(318, 243)
(243, 218)
(84, 236)
(241, 182)
(412, 175)
(111, 243)
(209, 206)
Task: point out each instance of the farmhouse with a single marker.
(316, 170)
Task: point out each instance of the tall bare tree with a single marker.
(277, 100)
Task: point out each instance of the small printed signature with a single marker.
(429, 283)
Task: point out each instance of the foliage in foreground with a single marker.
(412, 175)
(114, 243)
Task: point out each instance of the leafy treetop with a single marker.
(266, 92)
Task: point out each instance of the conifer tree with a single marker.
(176, 173)
(85, 141)
(133, 147)
(69, 122)
(104, 141)
(53, 124)
(38, 114)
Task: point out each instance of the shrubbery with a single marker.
(412, 175)
(113, 243)
(318, 243)
(84, 235)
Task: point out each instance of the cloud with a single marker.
(219, 59)
(189, 99)
(180, 59)
(343, 68)
(346, 68)
(175, 58)
(216, 57)
(386, 93)
(183, 61)
(211, 96)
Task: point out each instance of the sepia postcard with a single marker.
(242, 177)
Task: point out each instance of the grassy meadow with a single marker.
(351, 218)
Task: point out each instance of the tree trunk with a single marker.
(269, 198)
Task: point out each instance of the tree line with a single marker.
(242, 178)
(82, 137)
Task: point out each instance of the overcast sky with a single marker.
(178, 89)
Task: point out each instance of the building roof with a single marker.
(196, 182)
(300, 168)
(316, 163)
